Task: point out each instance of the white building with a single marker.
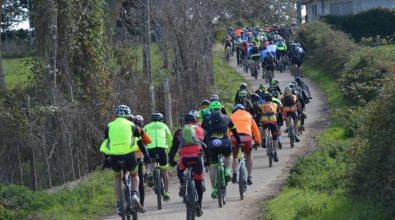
(317, 8)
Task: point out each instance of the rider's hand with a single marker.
(147, 159)
(257, 145)
(173, 163)
(240, 146)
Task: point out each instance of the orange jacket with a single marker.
(245, 124)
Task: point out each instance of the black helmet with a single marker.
(243, 85)
(205, 102)
(214, 98)
(157, 116)
(298, 79)
(268, 97)
(123, 111)
(254, 97)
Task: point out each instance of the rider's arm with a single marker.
(255, 131)
(144, 137)
(106, 133)
(232, 128)
(142, 148)
(174, 146)
(169, 137)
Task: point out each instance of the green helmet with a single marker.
(243, 93)
(215, 105)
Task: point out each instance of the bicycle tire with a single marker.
(219, 185)
(129, 204)
(242, 182)
(191, 200)
(122, 202)
(270, 147)
(158, 188)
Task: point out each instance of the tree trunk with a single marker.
(113, 12)
(33, 170)
(2, 81)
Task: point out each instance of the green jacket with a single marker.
(160, 135)
(120, 137)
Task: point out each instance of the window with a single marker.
(341, 8)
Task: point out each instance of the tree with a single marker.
(2, 81)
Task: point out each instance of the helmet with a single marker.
(215, 105)
(291, 85)
(157, 116)
(243, 85)
(230, 28)
(287, 91)
(261, 86)
(268, 97)
(255, 97)
(205, 102)
(192, 116)
(123, 111)
(139, 120)
(238, 106)
(296, 93)
(242, 93)
(130, 117)
(214, 98)
(298, 79)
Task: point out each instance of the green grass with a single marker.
(227, 80)
(16, 72)
(317, 185)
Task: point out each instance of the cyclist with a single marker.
(246, 128)
(268, 60)
(254, 55)
(243, 87)
(139, 121)
(305, 89)
(161, 140)
(189, 145)
(227, 42)
(118, 146)
(280, 119)
(256, 100)
(216, 126)
(296, 56)
(274, 88)
(290, 104)
(269, 121)
(281, 49)
(216, 98)
(204, 110)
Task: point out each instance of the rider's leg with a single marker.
(264, 126)
(117, 185)
(213, 165)
(198, 177)
(274, 131)
(141, 183)
(135, 181)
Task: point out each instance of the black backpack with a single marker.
(289, 100)
(217, 123)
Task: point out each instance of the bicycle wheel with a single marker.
(122, 205)
(242, 183)
(190, 201)
(129, 204)
(158, 188)
(270, 149)
(220, 173)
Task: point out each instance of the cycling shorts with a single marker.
(246, 140)
(273, 128)
(195, 162)
(159, 153)
(130, 162)
(217, 146)
(293, 115)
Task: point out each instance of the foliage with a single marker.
(379, 21)
(329, 48)
(365, 73)
(374, 175)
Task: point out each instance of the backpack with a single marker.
(189, 136)
(218, 124)
(268, 108)
(269, 59)
(289, 100)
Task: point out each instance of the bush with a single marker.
(366, 71)
(329, 48)
(371, 23)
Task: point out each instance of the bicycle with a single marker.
(126, 205)
(254, 69)
(291, 131)
(269, 75)
(269, 146)
(228, 51)
(158, 183)
(190, 198)
(242, 174)
(220, 181)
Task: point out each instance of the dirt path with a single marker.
(267, 181)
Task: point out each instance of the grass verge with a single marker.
(316, 187)
(16, 72)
